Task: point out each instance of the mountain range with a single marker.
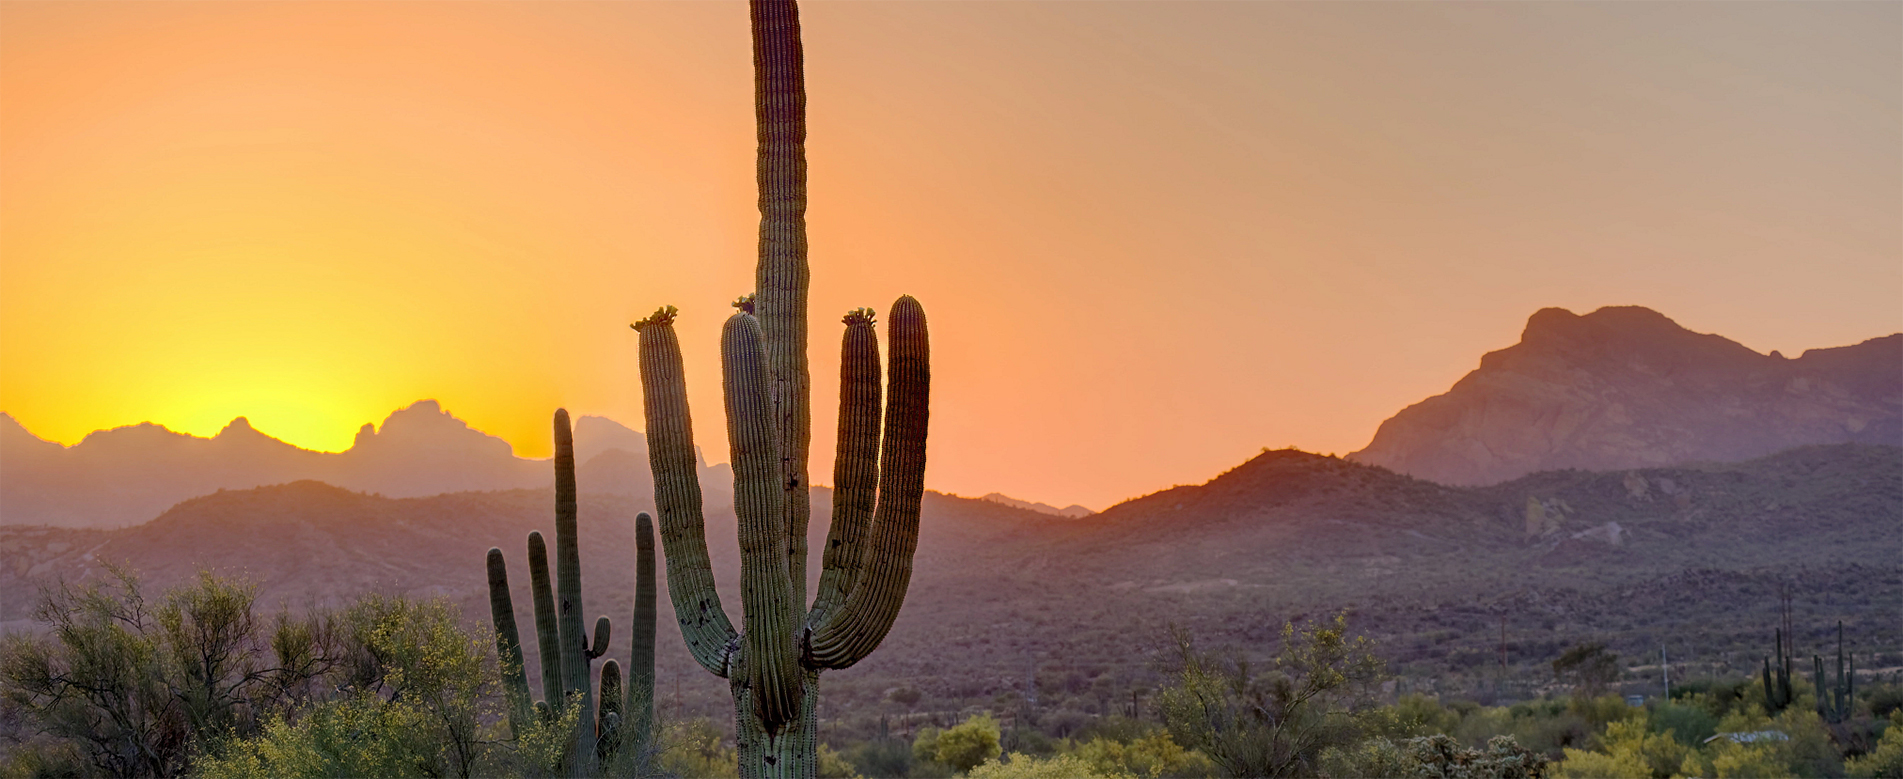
(1612, 477)
(128, 475)
(1621, 387)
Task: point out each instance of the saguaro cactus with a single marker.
(773, 666)
(638, 711)
(1777, 678)
(566, 652)
(1835, 700)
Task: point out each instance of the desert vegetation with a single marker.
(198, 681)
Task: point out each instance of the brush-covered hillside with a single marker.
(1695, 554)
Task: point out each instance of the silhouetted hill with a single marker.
(1072, 511)
(1625, 387)
(1432, 571)
(127, 475)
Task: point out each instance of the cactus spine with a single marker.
(1834, 701)
(566, 651)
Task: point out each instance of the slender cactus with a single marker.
(1835, 699)
(638, 712)
(1777, 678)
(608, 724)
(576, 651)
(566, 652)
(515, 681)
(548, 631)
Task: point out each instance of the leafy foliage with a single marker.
(962, 747)
(139, 691)
(1022, 766)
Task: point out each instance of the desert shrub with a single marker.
(1438, 756)
(1690, 724)
(696, 748)
(1152, 756)
(881, 757)
(833, 765)
(1886, 760)
(1884, 699)
(1589, 668)
(1630, 747)
(418, 698)
(968, 744)
(1278, 723)
(142, 689)
(1021, 766)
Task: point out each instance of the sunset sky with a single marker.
(1152, 237)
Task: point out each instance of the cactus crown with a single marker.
(661, 316)
(861, 316)
(744, 303)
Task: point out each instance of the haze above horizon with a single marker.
(1152, 237)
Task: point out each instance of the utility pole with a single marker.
(1503, 649)
(1666, 666)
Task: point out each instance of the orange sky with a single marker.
(1153, 237)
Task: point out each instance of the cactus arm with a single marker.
(690, 575)
(766, 592)
(856, 629)
(574, 642)
(782, 276)
(515, 680)
(640, 687)
(599, 646)
(855, 467)
(548, 632)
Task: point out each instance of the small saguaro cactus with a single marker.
(1777, 678)
(566, 652)
(1835, 700)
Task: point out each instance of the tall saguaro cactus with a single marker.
(566, 652)
(773, 663)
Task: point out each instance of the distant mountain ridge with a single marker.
(1073, 511)
(1626, 387)
(128, 475)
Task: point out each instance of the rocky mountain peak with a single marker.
(1624, 387)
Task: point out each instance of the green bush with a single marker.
(968, 744)
(1279, 723)
(1153, 756)
(1022, 766)
(1886, 760)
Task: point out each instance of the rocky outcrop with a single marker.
(1625, 387)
